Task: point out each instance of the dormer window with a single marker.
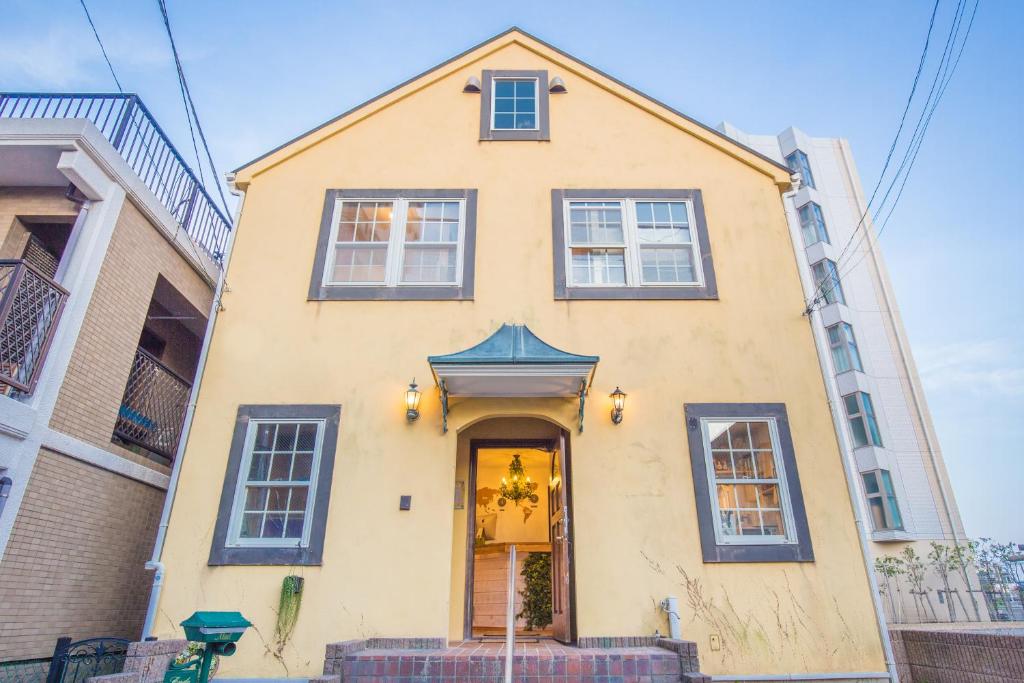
(514, 105)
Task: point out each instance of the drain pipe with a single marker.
(155, 564)
(846, 450)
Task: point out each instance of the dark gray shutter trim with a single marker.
(802, 550)
(220, 553)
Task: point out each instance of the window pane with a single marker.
(298, 500)
(526, 121)
(760, 435)
(504, 105)
(273, 525)
(432, 222)
(505, 121)
(307, 438)
(877, 513)
(726, 496)
(738, 435)
(264, 437)
(870, 483)
(278, 498)
(281, 469)
(765, 464)
(525, 88)
(359, 264)
(663, 223)
(750, 523)
(668, 265)
(744, 461)
(772, 523)
(723, 464)
(293, 527)
(259, 468)
(869, 417)
(434, 264)
(302, 466)
(503, 88)
(860, 434)
(769, 494)
(730, 522)
(255, 499)
(598, 267)
(852, 350)
(746, 496)
(251, 524)
(718, 434)
(595, 223)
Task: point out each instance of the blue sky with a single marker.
(263, 72)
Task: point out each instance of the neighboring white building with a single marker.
(905, 493)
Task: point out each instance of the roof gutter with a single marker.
(846, 450)
(155, 563)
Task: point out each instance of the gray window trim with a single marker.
(321, 292)
(802, 550)
(220, 553)
(709, 290)
(543, 131)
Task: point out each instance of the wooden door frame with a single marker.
(475, 445)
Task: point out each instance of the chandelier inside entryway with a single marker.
(520, 487)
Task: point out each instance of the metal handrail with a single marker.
(153, 406)
(31, 304)
(127, 124)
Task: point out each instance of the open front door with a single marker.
(561, 552)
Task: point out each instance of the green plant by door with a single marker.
(536, 592)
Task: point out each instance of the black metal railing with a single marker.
(153, 407)
(30, 308)
(124, 120)
(77, 662)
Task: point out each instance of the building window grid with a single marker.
(514, 104)
(747, 481)
(827, 281)
(276, 489)
(860, 413)
(812, 224)
(798, 162)
(845, 355)
(882, 501)
(396, 242)
(631, 242)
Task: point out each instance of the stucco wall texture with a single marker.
(392, 573)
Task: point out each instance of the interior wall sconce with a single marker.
(618, 405)
(412, 402)
(472, 84)
(557, 86)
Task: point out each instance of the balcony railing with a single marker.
(153, 407)
(30, 307)
(124, 120)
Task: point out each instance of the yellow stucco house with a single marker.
(599, 301)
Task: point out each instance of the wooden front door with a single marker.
(561, 550)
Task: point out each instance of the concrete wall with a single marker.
(74, 562)
(389, 573)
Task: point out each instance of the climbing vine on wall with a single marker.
(536, 592)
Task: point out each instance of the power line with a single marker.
(944, 74)
(899, 129)
(942, 89)
(183, 82)
(102, 49)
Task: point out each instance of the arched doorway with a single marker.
(535, 516)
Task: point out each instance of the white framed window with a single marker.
(799, 163)
(276, 486)
(882, 502)
(826, 279)
(747, 480)
(812, 224)
(514, 104)
(845, 355)
(396, 242)
(860, 413)
(631, 243)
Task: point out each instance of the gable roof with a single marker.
(514, 35)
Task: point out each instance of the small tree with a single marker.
(963, 557)
(943, 560)
(890, 567)
(915, 574)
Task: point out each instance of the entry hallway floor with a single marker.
(535, 661)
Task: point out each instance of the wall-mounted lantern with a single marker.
(472, 85)
(618, 404)
(557, 86)
(412, 402)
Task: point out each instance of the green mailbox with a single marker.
(218, 631)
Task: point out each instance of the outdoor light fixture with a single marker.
(412, 402)
(618, 403)
(472, 84)
(557, 86)
(520, 488)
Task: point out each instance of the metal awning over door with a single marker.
(512, 363)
